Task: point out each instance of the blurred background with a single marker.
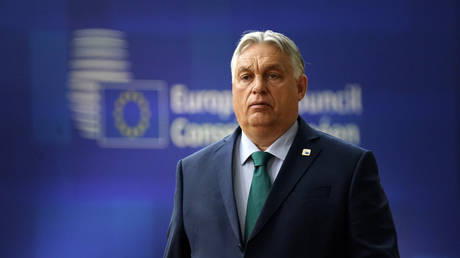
(100, 99)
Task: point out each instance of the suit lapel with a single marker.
(294, 167)
(223, 164)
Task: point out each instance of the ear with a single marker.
(302, 85)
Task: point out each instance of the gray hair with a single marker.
(285, 44)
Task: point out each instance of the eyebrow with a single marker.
(275, 67)
(244, 69)
(268, 67)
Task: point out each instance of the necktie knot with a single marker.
(260, 158)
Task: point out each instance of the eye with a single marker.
(245, 77)
(274, 76)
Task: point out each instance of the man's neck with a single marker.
(263, 137)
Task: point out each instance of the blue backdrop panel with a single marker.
(100, 99)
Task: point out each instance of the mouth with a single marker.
(259, 105)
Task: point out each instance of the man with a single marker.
(276, 187)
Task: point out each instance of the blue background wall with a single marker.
(65, 192)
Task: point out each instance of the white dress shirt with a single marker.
(244, 166)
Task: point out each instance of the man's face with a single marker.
(265, 92)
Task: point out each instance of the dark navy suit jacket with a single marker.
(328, 204)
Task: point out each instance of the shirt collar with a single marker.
(278, 149)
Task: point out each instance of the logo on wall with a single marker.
(134, 114)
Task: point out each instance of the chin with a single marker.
(261, 122)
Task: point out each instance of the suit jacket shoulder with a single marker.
(334, 152)
(207, 154)
(339, 144)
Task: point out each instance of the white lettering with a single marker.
(342, 102)
(184, 101)
(347, 132)
(188, 134)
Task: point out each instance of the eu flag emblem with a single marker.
(134, 114)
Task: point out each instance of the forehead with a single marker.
(262, 54)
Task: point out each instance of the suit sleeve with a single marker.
(177, 245)
(372, 230)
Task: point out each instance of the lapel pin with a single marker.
(306, 152)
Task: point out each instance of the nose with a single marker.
(260, 86)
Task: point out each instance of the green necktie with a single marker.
(260, 187)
